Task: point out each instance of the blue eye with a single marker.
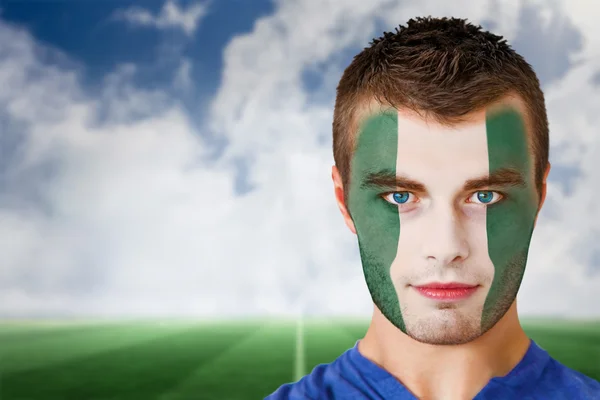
(400, 197)
(486, 197)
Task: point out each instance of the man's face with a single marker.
(434, 204)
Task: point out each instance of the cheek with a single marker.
(378, 229)
(475, 231)
(509, 228)
(478, 262)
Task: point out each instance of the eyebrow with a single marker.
(503, 177)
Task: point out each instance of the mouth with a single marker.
(446, 291)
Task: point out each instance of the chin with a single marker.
(449, 329)
(445, 339)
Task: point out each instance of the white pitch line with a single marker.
(299, 358)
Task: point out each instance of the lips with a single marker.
(450, 285)
(446, 291)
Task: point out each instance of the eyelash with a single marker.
(501, 195)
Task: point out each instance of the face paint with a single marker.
(377, 223)
(509, 223)
(434, 224)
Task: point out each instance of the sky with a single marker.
(174, 158)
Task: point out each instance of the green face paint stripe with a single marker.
(509, 223)
(377, 222)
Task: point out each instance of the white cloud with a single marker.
(560, 275)
(130, 215)
(170, 16)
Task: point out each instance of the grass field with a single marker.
(205, 360)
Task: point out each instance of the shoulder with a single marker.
(340, 379)
(320, 383)
(309, 387)
(573, 385)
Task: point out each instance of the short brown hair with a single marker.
(444, 68)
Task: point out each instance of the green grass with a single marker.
(204, 360)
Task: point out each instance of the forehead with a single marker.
(425, 148)
(469, 123)
(369, 107)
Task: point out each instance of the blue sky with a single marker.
(97, 41)
(174, 157)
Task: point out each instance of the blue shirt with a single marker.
(352, 376)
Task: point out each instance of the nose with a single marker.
(445, 240)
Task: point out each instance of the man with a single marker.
(440, 140)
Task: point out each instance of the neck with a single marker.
(448, 372)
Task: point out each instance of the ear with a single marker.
(543, 194)
(338, 187)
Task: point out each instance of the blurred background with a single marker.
(171, 161)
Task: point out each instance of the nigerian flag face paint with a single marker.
(439, 204)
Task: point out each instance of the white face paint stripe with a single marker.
(440, 239)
